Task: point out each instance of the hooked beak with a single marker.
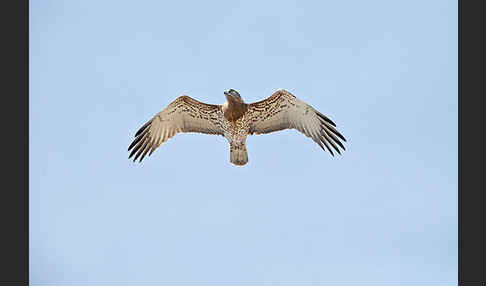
(228, 96)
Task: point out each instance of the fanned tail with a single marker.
(238, 155)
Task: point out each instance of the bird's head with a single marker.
(233, 96)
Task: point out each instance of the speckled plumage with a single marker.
(235, 120)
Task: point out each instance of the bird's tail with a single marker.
(238, 154)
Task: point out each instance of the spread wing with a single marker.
(283, 110)
(184, 114)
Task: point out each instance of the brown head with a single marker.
(234, 107)
(233, 96)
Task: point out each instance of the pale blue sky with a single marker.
(383, 213)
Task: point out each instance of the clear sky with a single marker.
(383, 213)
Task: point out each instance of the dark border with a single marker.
(470, 205)
(15, 133)
(460, 264)
(460, 104)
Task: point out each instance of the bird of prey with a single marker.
(235, 120)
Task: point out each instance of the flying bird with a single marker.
(235, 120)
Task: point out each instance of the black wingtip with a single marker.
(333, 130)
(333, 137)
(143, 128)
(327, 145)
(147, 149)
(325, 118)
(133, 144)
(132, 153)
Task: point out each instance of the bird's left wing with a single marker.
(282, 110)
(184, 114)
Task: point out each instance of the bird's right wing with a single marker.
(282, 110)
(184, 114)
